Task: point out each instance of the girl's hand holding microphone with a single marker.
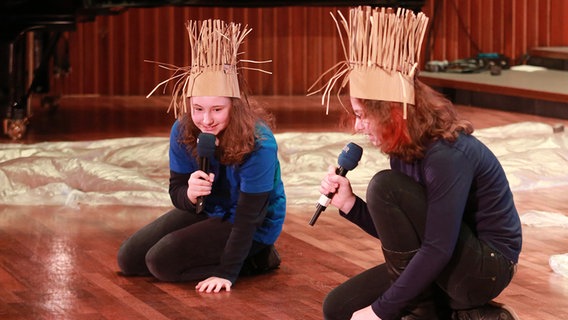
(199, 185)
(343, 197)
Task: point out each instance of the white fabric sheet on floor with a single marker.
(134, 171)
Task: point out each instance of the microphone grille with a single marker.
(350, 156)
(206, 145)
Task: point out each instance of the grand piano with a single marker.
(37, 23)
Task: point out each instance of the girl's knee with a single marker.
(379, 187)
(329, 308)
(335, 307)
(381, 181)
(126, 260)
(159, 266)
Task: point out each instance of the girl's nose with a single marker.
(359, 126)
(207, 118)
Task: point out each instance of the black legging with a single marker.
(178, 246)
(397, 204)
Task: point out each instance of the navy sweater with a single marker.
(464, 181)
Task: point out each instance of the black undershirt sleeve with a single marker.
(251, 211)
(178, 191)
(360, 216)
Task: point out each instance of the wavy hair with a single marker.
(238, 139)
(433, 117)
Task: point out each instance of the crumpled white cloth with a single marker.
(537, 218)
(128, 171)
(134, 171)
(559, 264)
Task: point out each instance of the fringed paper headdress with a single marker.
(382, 53)
(215, 63)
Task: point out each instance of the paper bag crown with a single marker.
(382, 54)
(214, 49)
(215, 62)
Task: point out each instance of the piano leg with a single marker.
(15, 93)
(14, 85)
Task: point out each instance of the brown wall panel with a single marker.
(107, 55)
(558, 32)
(510, 27)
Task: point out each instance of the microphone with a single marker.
(205, 150)
(347, 160)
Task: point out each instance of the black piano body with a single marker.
(46, 21)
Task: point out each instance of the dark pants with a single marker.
(178, 246)
(475, 275)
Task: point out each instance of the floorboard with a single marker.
(60, 262)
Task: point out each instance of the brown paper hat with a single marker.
(215, 63)
(382, 53)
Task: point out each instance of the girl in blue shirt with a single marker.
(245, 203)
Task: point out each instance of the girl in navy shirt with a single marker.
(444, 213)
(449, 230)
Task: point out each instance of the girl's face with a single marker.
(211, 114)
(362, 123)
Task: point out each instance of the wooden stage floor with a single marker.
(60, 262)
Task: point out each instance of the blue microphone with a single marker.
(205, 150)
(348, 159)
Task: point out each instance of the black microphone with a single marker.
(205, 150)
(347, 160)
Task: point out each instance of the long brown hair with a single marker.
(238, 139)
(433, 117)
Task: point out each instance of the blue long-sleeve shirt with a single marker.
(239, 194)
(464, 181)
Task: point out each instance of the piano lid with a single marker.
(416, 4)
(19, 16)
